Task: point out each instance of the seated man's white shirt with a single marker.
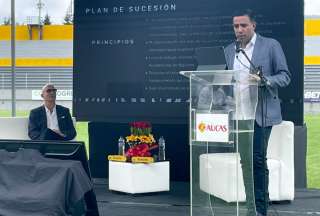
(52, 119)
(241, 63)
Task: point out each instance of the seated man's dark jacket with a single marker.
(37, 127)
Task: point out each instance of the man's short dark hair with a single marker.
(245, 12)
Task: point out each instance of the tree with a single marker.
(47, 20)
(6, 21)
(68, 19)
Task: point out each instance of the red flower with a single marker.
(141, 150)
(140, 124)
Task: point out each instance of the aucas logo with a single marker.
(212, 128)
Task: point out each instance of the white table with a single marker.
(139, 178)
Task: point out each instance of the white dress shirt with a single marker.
(244, 111)
(52, 119)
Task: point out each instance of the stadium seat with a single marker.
(218, 171)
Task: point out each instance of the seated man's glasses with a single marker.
(51, 90)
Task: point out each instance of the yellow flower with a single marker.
(145, 139)
(132, 138)
(152, 138)
(148, 139)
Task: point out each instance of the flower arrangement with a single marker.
(141, 140)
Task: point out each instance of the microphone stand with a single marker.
(256, 70)
(263, 83)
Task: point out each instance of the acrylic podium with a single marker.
(222, 113)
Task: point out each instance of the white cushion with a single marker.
(274, 167)
(16, 127)
(281, 148)
(139, 178)
(219, 171)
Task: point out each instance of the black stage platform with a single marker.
(176, 202)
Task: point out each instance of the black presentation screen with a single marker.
(127, 53)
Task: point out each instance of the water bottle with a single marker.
(162, 148)
(121, 146)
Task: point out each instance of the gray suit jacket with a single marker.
(268, 54)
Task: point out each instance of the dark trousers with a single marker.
(260, 168)
(254, 165)
(49, 134)
(245, 149)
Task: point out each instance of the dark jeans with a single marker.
(260, 168)
(254, 168)
(245, 140)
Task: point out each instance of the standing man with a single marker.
(267, 54)
(50, 121)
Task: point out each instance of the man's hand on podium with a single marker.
(261, 80)
(254, 77)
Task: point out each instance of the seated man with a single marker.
(50, 121)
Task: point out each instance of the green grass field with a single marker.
(313, 149)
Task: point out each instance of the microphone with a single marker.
(255, 70)
(238, 47)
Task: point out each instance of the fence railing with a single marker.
(36, 77)
(312, 77)
(61, 77)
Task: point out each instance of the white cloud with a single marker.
(56, 9)
(312, 7)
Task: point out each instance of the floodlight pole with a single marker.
(13, 59)
(40, 6)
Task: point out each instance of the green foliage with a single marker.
(68, 19)
(47, 20)
(6, 21)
